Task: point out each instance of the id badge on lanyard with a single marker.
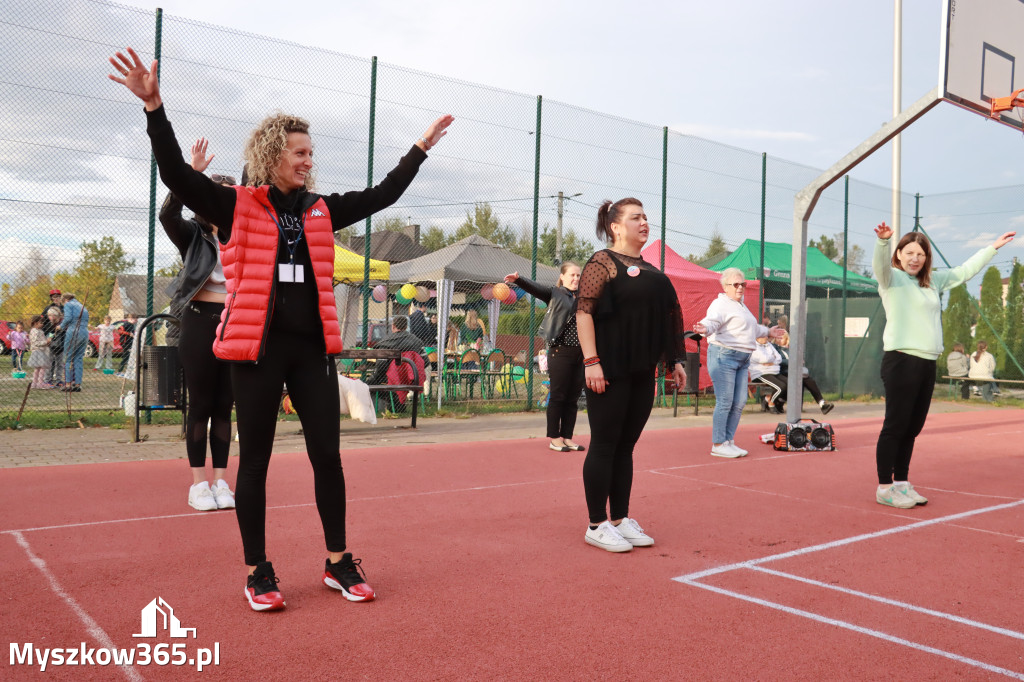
(290, 272)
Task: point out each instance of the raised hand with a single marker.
(435, 132)
(511, 279)
(1005, 239)
(200, 160)
(142, 82)
(883, 231)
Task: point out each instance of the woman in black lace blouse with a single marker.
(628, 320)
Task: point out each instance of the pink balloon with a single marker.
(380, 293)
(487, 291)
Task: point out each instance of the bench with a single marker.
(954, 382)
(363, 360)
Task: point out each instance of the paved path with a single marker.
(91, 445)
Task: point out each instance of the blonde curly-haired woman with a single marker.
(279, 327)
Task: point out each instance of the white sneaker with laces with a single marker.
(222, 494)
(908, 490)
(743, 453)
(892, 496)
(606, 536)
(630, 530)
(201, 497)
(725, 450)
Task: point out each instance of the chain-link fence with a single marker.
(513, 187)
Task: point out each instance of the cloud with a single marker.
(740, 134)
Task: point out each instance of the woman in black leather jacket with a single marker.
(197, 296)
(565, 360)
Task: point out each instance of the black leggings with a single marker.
(617, 418)
(780, 382)
(208, 381)
(297, 361)
(565, 372)
(909, 382)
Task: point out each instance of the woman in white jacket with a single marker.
(732, 334)
(983, 366)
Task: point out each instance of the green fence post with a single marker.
(664, 190)
(846, 263)
(533, 259)
(151, 248)
(917, 212)
(764, 199)
(369, 183)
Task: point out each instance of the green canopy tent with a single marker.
(778, 264)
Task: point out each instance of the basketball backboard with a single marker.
(982, 41)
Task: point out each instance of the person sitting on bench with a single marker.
(958, 364)
(765, 369)
(809, 383)
(401, 339)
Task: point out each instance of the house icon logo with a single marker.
(151, 620)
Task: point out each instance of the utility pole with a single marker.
(558, 234)
(558, 231)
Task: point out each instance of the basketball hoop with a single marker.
(1000, 104)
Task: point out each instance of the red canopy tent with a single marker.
(696, 288)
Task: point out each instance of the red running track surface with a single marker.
(778, 566)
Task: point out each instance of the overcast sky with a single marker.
(805, 81)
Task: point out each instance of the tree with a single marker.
(716, 249)
(107, 255)
(1013, 324)
(826, 246)
(483, 222)
(172, 269)
(957, 320)
(391, 224)
(991, 322)
(574, 247)
(433, 238)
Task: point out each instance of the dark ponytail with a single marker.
(608, 213)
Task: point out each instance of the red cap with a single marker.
(54, 291)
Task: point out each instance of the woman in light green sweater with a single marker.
(912, 341)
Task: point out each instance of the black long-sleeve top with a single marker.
(295, 304)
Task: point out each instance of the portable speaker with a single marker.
(804, 435)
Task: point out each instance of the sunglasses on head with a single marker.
(223, 179)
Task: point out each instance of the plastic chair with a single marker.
(466, 373)
(493, 370)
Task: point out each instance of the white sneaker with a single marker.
(725, 450)
(630, 530)
(606, 536)
(892, 496)
(732, 443)
(223, 495)
(908, 490)
(201, 497)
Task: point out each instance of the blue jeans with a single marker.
(728, 370)
(74, 352)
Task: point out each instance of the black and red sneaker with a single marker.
(347, 575)
(261, 589)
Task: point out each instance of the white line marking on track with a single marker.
(892, 602)
(91, 626)
(859, 629)
(846, 541)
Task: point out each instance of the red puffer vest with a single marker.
(250, 263)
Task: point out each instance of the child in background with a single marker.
(40, 358)
(106, 348)
(19, 341)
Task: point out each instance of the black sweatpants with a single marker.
(566, 378)
(208, 381)
(297, 361)
(617, 418)
(780, 382)
(909, 382)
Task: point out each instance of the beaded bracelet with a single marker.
(590, 362)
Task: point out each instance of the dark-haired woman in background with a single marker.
(912, 341)
(199, 291)
(565, 359)
(628, 320)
